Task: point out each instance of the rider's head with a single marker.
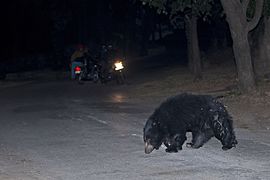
(80, 47)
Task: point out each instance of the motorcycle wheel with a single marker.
(121, 78)
(78, 77)
(96, 78)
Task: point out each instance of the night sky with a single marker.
(41, 26)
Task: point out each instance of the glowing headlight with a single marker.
(118, 65)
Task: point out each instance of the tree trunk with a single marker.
(146, 30)
(243, 62)
(160, 30)
(189, 49)
(260, 44)
(239, 27)
(130, 30)
(194, 58)
(101, 22)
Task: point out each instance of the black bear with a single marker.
(202, 115)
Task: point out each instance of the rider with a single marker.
(105, 58)
(76, 58)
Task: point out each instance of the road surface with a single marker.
(64, 131)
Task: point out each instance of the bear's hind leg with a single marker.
(199, 138)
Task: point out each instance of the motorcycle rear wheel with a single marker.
(78, 77)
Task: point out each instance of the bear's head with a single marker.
(153, 135)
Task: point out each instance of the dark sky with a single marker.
(40, 26)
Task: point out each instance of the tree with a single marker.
(187, 11)
(260, 41)
(240, 26)
(236, 11)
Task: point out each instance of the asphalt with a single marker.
(65, 131)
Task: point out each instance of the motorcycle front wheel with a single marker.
(95, 78)
(120, 78)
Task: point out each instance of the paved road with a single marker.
(63, 131)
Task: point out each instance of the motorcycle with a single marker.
(115, 71)
(88, 70)
(118, 71)
(112, 67)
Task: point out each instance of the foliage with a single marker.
(251, 8)
(173, 7)
(178, 9)
(266, 11)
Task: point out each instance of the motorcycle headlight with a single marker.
(118, 65)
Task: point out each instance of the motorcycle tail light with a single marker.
(77, 68)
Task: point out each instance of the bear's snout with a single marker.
(148, 148)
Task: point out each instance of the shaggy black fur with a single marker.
(202, 115)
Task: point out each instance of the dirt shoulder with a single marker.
(249, 111)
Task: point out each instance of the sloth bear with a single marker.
(202, 115)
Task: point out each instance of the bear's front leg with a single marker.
(170, 144)
(175, 143)
(171, 149)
